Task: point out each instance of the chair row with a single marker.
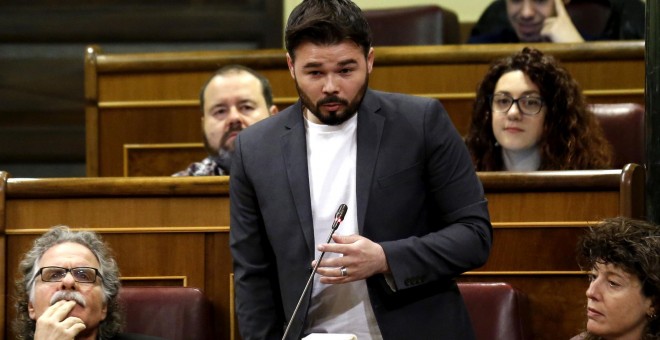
(497, 310)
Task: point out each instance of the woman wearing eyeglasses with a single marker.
(530, 115)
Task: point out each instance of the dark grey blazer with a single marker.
(417, 195)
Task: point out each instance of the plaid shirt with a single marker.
(207, 167)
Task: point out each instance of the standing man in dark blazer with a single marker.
(417, 217)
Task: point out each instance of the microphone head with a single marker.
(341, 212)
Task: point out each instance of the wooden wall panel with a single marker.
(534, 207)
(120, 127)
(119, 212)
(160, 159)
(533, 248)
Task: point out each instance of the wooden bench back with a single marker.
(169, 231)
(153, 97)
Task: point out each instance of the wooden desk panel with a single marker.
(533, 248)
(160, 159)
(119, 213)
(552, 206)
(152, 98)
(178, 227)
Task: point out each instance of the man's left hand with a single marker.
(361, 259)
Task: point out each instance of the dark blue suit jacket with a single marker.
(417, 195)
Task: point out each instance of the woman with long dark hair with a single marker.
(529, 115)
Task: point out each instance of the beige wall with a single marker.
(467, 10)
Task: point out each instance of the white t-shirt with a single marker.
(331, 161)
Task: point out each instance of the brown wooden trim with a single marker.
(199, 60)
(117, 186)
(91, 78)
(91, 111)
(183, 279)
(92, 158)
(524, 273)
(148, 104)
(3, 192)
(389, 55)
(633, 180)
(541, 225)
(617, 92)
(3, 250)
(163, 146)
(125, 161)
(158, 186)
(290, 100)
(3, 287)
(499, 181)
(159, 230)
(485, 54)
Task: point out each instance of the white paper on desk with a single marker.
(330, 336)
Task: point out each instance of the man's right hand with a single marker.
(54, 324)
(560, 28)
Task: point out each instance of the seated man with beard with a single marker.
(68, 289)
(234, 98)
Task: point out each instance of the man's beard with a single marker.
(334, 117)
(220, 155)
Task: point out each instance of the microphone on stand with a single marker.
(339, 217)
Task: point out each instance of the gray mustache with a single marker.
(67, 295)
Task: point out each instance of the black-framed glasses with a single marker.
(529, 105)
(80, 274)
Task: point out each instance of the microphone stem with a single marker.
(339, 216)
(309, 281)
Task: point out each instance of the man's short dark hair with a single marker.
(266, 90)
(325, 22)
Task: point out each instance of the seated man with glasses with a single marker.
(68, 289)
(530, 115)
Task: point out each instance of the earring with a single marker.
(652, 315)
